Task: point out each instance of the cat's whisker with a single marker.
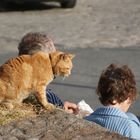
(64, 78)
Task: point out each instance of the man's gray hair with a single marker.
(34, 41)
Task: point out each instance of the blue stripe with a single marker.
(54, 99)
(116, 120)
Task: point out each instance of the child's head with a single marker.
(34, 41)
(116, 84)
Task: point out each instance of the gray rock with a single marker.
(55, 125)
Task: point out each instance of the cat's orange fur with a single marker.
(27, 74)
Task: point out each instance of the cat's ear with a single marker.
(63, 56)
(66, 56)
(71, 56)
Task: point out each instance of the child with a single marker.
(117, 91)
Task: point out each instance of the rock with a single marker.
(55, 125)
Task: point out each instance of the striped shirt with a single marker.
(54, 99)
(126, 124)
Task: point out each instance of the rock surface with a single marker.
(56, 125)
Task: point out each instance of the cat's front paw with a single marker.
(7, 104)
(50, 106)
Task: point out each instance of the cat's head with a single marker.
(61, 63)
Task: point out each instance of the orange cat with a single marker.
(27, 74)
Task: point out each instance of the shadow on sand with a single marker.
(12, 7)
